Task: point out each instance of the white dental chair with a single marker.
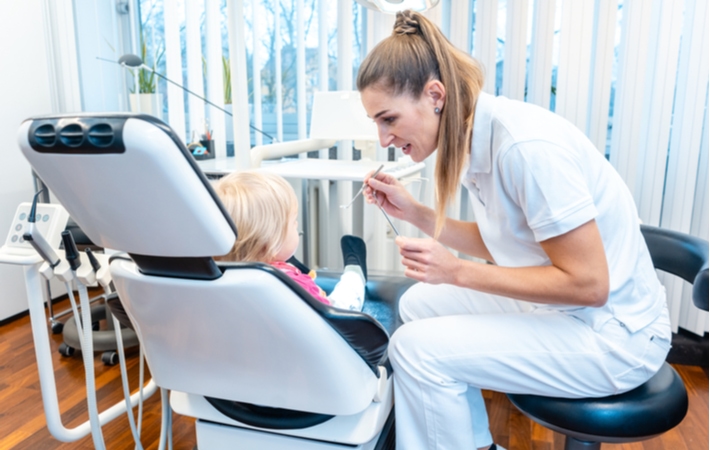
(244, 349)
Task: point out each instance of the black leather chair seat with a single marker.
(382, 294)
(651, 409)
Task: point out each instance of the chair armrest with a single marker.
(281, 149)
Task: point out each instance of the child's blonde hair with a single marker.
(261, 205)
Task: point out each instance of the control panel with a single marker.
(50, 218)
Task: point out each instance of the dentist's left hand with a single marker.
(427, 260)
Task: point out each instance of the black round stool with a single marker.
(652, 408)
(642, 413)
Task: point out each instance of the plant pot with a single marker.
(228, 124)
(149, 104)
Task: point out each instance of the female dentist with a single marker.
(568, 304)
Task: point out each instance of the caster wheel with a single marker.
(109, 358)
(95, 326)
(57, 327)
(65, 350)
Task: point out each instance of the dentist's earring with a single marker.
(437, 110)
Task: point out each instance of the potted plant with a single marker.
(147, 100)
(228, 125)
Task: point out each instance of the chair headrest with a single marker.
(129, 182)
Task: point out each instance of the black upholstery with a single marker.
(78, 234)
(119, 312)
(652, 408)
(619, 418)
(381, 296)
(266, 417)
(683, 255)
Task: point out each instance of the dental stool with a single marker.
(652, 408)
(243, 348)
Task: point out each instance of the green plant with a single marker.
(146, 79)
(227, 79)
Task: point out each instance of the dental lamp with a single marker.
(393, 6)
(135, 62)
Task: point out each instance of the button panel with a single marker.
(50, 220)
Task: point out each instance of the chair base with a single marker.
(357, 431)
(212, 435)
(575, 444)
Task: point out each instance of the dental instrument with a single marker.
(374, 193)
(362, 189)
(97, 273)
(73, 260)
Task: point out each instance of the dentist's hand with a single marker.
(427, 260)
(391, 195)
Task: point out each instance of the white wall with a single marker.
(42, 77)
(24, 92)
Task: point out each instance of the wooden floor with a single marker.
(23, 426)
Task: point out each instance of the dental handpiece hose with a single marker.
(87, 343)
(104, 280)
(56, 267)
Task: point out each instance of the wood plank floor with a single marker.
(23, 425)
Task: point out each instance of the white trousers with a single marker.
(456, 342)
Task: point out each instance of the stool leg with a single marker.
(575, 444)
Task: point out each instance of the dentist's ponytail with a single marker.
(415, 53)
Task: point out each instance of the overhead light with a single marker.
(392, 6)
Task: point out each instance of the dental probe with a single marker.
(364, 185)
(385, 213)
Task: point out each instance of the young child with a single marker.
(264, 208)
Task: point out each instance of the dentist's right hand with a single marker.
(392, 196)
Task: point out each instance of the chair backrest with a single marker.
(244, 337)
(245, 332)
(683, 255)
(129, 183)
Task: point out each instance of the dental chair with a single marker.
(259, 362)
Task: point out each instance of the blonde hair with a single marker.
(261, 205)
(404, 63)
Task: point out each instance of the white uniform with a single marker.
(532, 176)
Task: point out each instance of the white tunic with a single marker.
(533, 176)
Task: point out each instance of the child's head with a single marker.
(264, 208)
